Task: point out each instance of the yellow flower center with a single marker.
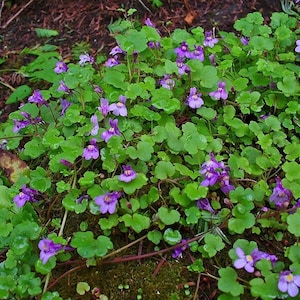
(107, 198)
(289, 278)
(249, 258)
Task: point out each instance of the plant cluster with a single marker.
(192, 131)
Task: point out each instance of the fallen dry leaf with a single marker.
(12, 165)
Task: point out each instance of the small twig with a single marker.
(197, 287)
(16, 14)
(145, 6)
(160, 264)
(1, 8)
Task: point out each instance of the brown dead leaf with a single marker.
(189, 19)
(12, 165)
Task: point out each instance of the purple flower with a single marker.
(91, 151)
(95, 129)
(297, 49)
(194, 99)
(204, 203)
(64, 105)
(111, 62)
(183, 50)
(116, 50)
(81, 198)
(37, 98)
(212, 59)
(288, 282)
(20, 124)
(220, 93)
(210, 170)
(259, 255)
(104, 106)
(108, 202)
(244, 261)
(113, 130)
(245, 41)
(280, 196)
(182, 67)
(119, 109)
(27, 194)
(85, 58)
(60, 67)
(178, 251)
(167, 82)
(62, 87)
(48, 249)
(198, 53)
(98, 89)
(211, 177)
(149, 23)
(66, 163)
(209, 40)
(225, 185)
(128, 174)
(153, 45)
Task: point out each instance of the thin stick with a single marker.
(1, 8)
(16, 14)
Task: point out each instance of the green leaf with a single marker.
(172, 237)
(34, 148)
(289, 85)
(168, 216)
(164, 170)
(20, 93)
(82, 287)
(195, 191)
(213, 244)
(45, 33)
(228, 282)
(137, 183)
(293, 223)
(39, 179)
(136, 221)
(155, 236)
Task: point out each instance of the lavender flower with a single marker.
(290, 283)
(27, 194)
(91, 151)
(119, 109)
(209, 40)
(212, 59)
(178, 251)
(148, 22)
(116, 50)
(64, 105)
(220, 93)
(204, 204)
(37, 97)
(245, 41)
(182, 67)
(104, 106)
(259, 255)
(108, 202)
(60, 67)
(153, 45)
(113, 130)
(62, 87)
(48, 249)
(194, 99)
(225, 185)
(85, 58)
(281, 196)
(128, 174)
(244, 261)
(297, 49)
(198, 53)
(111, 62)
(95, 129)
(20, 124)
(210, 170)
(167, 82)
(183, 50)
(66, 163)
